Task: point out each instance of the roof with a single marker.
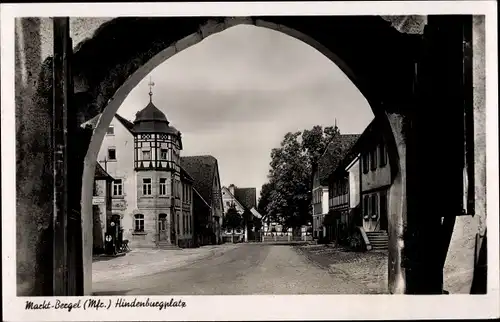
(256, 213)
(247, 197)
(202, 169)
(335, 152)
(126, 123)
(151, 120)
(185, 175)
(92, 123)
(198, 196)
(95, 120)
(101, 174)
(231, 195)
(370, 135)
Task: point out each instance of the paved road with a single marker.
(244, 270)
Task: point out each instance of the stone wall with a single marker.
(33, 43)
(459, 266)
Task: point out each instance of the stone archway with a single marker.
(367, 53)
(378, 59)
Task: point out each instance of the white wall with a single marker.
(325, 201)
(122, 168)
(379, 177)
(354, 188)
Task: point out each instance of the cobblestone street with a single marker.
(140, 262)
(243, 269)
(367, 269)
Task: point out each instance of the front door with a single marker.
(162, 227)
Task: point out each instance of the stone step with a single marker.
(379, 239)
(379, 244)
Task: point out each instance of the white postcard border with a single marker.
(297, 307)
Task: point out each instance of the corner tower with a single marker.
(157, 147)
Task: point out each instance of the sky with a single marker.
(236, 94)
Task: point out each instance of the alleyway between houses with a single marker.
(241, 269)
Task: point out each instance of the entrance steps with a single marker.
(378, 239)
(166, 246)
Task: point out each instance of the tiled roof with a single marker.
(247, 197)
(93, 122)
(101, 174)
(151, 120)
(202, 169)
(335, 152)
(186, 175)
(128, 125)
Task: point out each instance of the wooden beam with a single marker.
(60, 155)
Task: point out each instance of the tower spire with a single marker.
(151, 84)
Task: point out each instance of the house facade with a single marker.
(207, 208)
(327, 198)
(375, 179)
(151, 193)
(319, 204)
(101, 207)
(344, 196)
(244, 200)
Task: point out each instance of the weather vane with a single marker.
(151, 84)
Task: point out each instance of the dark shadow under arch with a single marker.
(377, 58)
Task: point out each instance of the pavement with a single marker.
(368, 270)
(140, 262)
(233, 269)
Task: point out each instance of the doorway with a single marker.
(162, 227)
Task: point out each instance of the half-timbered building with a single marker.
(152, 194)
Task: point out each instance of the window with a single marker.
(146, 155)
(178, 224)
(366, 205)
(110, 130)
(365, 163)
(382, 155)
(374, 205)
(162, 222)
(164, 154)
(373, 159)
(111, 154)
(118, 187)
(139, 223)
(146, 187)
(163, 187)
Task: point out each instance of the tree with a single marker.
(232, 220)
(265, 198)
(287, 195)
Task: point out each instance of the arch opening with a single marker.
(390, 123)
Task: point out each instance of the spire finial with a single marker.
(151, 84)
(335, 122)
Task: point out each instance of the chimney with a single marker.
(231, 189)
